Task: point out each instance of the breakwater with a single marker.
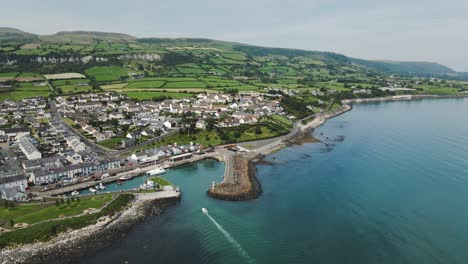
(240, 182)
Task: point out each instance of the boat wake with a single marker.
(231, 240)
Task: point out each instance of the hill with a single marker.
(193, 55)
(87, 37)
(404, 67)
(15, 36)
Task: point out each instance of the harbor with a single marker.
(126, 174)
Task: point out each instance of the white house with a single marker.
(29, 150)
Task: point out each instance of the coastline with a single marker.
(235, 189)
(240, 182)
(67, 247)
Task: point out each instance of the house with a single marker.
(14, 133)
(200, 124)
(74, 157)
(49, 162)
(116, 115)
(13, 194)
(128, 142)
(29, 150)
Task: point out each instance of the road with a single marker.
(100, 149)
(94, 147)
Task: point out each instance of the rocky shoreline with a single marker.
(70, 246)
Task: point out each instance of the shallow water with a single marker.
(389, 185)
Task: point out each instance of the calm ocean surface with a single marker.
(389, 185)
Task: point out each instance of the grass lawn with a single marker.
(160, 181)
(111, 143)
(283, 120)
(35, 213)
(44, 231)
(69, 121)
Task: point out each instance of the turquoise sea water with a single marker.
(388, 185)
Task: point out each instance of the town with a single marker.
(48, 144)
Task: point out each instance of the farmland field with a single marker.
(187, 84)
(25, 90)
(146, 84)
(107, 73)
(148, 95)
(73, 89)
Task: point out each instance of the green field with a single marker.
(25, 90)
(146, 84)
(185, 84)
(74, 89)
(108, 73)
(111, 143)
(148, 95)
(8, 74)
(44, 231)
(34, 213)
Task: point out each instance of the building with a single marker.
(29, 150)
(180, 157)
(14, 134)
(12, 194)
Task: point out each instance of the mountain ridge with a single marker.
(10, 35)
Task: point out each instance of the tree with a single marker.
(12, 223)
(210, 122)
(57, 203)
(258, 130)
(62, 201)
(78, 199)
(68, 201)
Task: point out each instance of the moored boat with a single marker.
(156, 171)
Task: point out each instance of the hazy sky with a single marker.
(417, 30)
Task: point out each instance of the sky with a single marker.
(408, 30)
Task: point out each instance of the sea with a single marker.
(387, 183)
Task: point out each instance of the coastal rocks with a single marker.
(68, 247)
(241, 185)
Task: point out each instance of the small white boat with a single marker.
(204, 210)
(156, 171)
(101, 186)
(124, 178)
(92, 190)
(75, 193)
